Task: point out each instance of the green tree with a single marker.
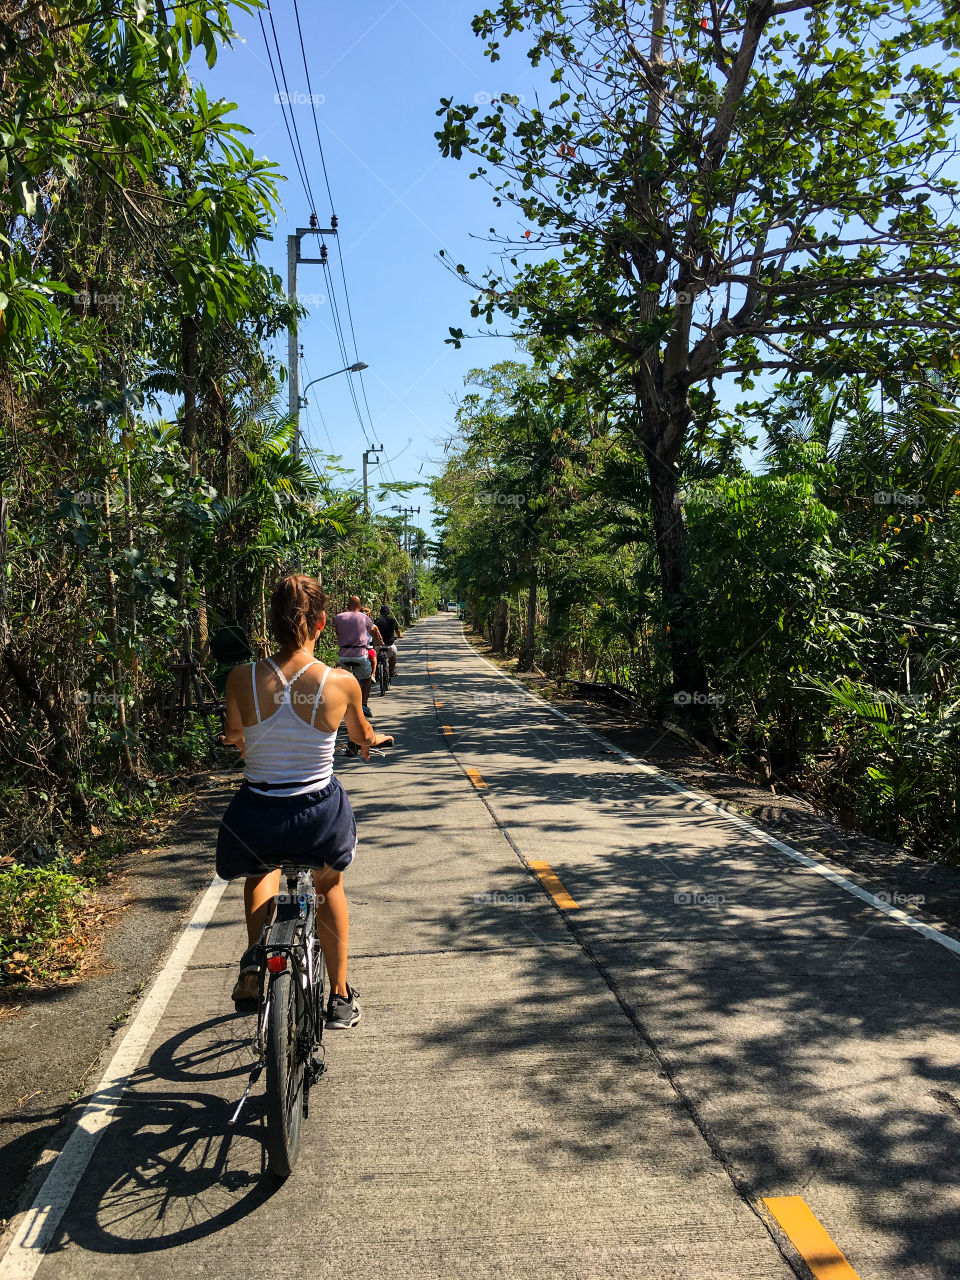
(753, 191)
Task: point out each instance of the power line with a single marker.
(326, 178)
(343, 351)
(313, 105)
(300, 161)
(284, 101)
(323, 421)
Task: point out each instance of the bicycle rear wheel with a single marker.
(286, 1062)
(383, 675)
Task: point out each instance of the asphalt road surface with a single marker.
(607, 1031)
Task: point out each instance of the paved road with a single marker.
(607, 1089)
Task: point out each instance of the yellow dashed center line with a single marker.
(436, 703)
(549, 880)
(809, 1238)
(475, 778)
(447, 730)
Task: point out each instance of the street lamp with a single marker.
(350, 368)
(302, 402)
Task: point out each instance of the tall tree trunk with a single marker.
(500, 626)
(662, 441)
(189, 342)
(558, 626)
(128, 436)
(4, 526)
(113, 629)
(530, 627)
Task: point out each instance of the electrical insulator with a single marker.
(323, 254)
(313, 220)
(334, 221)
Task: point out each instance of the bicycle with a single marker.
(383, 669)
(289, 1038)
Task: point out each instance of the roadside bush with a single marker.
(39, 906)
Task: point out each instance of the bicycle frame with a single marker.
(299, 905)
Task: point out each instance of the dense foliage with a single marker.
(823, 585)
(756, 195)
(148, 495)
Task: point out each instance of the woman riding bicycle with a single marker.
(283, 715)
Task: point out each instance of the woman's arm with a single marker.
(232, 735)
(358, 726)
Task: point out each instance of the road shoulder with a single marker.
(924, 888)
(58, 1040)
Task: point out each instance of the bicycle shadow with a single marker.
(170, 1169)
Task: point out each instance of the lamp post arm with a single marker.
(350, 368)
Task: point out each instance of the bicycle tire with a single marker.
(383, 675)
(286, 1065)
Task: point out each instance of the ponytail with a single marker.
(296, 606)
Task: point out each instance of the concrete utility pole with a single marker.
(367, 455)
(293, 364)
(408, 590)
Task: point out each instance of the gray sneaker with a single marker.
(342, 1014)
(246, 992)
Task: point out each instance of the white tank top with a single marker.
(284, 751)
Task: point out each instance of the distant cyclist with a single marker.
(371, 651)
(389, 629)
(355, 634)
(282, 715)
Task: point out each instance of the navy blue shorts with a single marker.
(260, 833)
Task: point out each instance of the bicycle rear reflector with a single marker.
(276, 964)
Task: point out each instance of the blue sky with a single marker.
(381, 67)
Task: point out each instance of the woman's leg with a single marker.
(333, 926)
(258, 893)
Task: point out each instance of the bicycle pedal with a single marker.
(317, 1068)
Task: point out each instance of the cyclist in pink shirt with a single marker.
(353, 629)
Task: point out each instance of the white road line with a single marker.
(711, 806)
(41, 1220)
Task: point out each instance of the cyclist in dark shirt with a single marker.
(389, 629)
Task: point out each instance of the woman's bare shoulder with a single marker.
(237, 675)
(340, 679)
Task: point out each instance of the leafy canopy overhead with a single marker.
(730, 189)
